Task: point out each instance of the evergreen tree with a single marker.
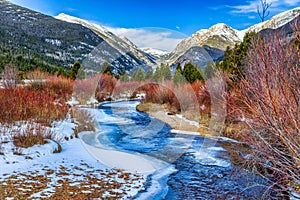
(124, 77)
(59, 72)
(74, 70)
(166, 72)
(81, 74)
(106, 68)
(179, 68)
(178, 77)
(191, 73)
(157, 76)
(138, 75)
(210, 70)
(149, 75)
(233, 58)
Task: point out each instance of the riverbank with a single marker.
(178, 122)
(38, 172)
(191, 123)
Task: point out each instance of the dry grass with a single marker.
(33, 134)
(84, 120)
(83, 182)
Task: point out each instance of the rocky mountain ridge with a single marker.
(220, 36)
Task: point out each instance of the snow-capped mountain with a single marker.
(221, 35)
(218, 36)
(275, 22)
(62, 42)
(156, 53)
(59, 43)
(123, 45)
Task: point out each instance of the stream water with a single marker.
(193, 167)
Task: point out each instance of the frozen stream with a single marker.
(178, 166)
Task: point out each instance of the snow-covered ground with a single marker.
(37, 172)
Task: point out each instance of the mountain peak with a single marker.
(275, 22)
(220, 26)
(123, 45)
(93, 26)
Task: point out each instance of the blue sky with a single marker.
(184, 16)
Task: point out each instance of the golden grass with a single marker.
(90, 183)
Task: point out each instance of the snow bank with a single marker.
(129, 162)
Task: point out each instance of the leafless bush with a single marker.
(270, 97)
(32, 134)
(9, 76)
(84, 120)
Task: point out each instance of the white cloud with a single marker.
(276, 5)
(157, 38)
(251, 17)
(292, 2)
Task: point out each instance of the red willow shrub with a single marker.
(40, 104)
(105, 86)
(127, 89)
(268, 99)
(156, 93)
(25, 104)
(84, 89)
(184, 97)
(61, 87)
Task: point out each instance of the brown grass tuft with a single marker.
(84, 120)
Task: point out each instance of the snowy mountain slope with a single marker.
(275, 22)
(218, 36)
(157, 53)
(123, 45)
(62, 43)
(34, 33)
(221, 35)
(199, 56)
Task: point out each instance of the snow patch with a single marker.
(54, 42)
(194, 123)
(208, 158)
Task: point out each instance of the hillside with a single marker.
(123, 45)
(63, 43)
(56, 42)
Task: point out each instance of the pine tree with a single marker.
(157, 76)
(138, 75)
(106, 68)
(59, 72)
(149, 75)
(74, 70)
(124, 77)
(179, 68)
(178, 77)
(191, 73)
(233, 58)
(81, 74)
(210, 70)
(166, 72)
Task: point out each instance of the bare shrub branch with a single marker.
(9, 76)
(270, 99)
(262, 9)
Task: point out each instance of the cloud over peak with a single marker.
(157, 38)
